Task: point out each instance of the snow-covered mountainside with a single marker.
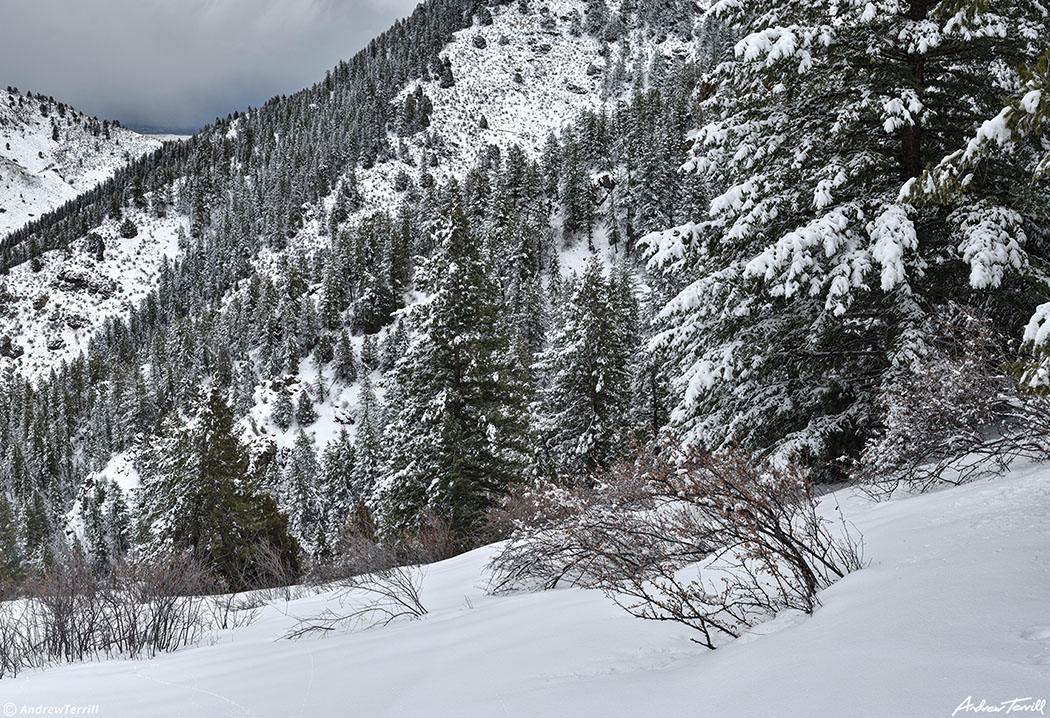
(951, 608)
(531, 295)
(50, 153)
(50, 309)
(517, 80)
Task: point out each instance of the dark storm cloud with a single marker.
(180, 63)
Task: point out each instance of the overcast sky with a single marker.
(178, 64)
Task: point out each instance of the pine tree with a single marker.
(128, 229)
(588, 373)
(305, 414)
(300, 492)
(117, 523)
(11, 568)
(368, 451)
(38, 532)
(809, 282)
(339, 471)
(370, 353)
(283, 409)
(94, 526)
(197, 496)
(460, 437)
(394, 346)
(345, 359)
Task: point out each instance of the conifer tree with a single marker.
(38, 531)
(11, 568)
(305, 414)
(809, 282)
(339, 471)
(588, 373)
(368, 451)
(370, 353)
(460, 436)
(345, 359)
(197, 496)
(117, 523)
(283, 409)
(300, 492)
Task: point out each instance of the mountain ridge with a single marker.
(51, 153)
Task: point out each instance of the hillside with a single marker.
(952, 605)
(50, 153)
(520, 78)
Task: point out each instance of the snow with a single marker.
(951, 608)
(338, 412)
(990, 240)
(893, 236)
(38, 174)
(52, 313)
(121, 471)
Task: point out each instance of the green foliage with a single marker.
(199, 497)
(588, 369)
(283, 409)
(806, 286)
(12, 569)
(460, 435)
(128, 229)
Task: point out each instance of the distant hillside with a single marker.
(50, 153)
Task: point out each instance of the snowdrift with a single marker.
(953, 606)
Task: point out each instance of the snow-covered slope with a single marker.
(953, 606)
(38, 172)
(527, 74)
(49, 313)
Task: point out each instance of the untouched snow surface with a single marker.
(954, 605)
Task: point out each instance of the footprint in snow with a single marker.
(1040, 634)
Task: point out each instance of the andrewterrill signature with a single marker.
(1015, 705)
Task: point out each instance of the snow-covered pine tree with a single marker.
(37, 532)
(11, 568)
(1019, 134)
(588, 370)
(117, 523)
(811, 276)
(368, 445)
(461, 434)
(345, 359)
(197, 496)
(283, 409)
(92, 516)
(300, 494)
(370, 353)
(305, 414)
(338, 472)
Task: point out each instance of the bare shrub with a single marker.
(157, 606)
(137, 609)
(272, 577)
(375, 599)
(433, 541)
(715, 542)
(358, 552)
(552, 526)
(955, 414)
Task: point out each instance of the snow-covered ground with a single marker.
(50, 314)
(952, 606)
(39, 173)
